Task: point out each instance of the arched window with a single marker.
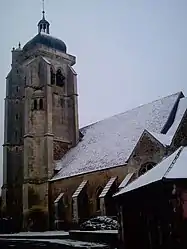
(59, 78)
(41, 104)
(52, 77)
(145, 167)
(99, 190)
(35, 104)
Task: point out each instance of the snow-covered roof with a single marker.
(109, 143)
(126, 180)
(172, 167)
(164, 139)
(107, 187)
(79, 189)
(181, 110)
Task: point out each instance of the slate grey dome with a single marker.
(46, 40)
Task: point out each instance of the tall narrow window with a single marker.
(17, 89)
(52, 77)
(35, 104)
(17, 116)
(62, 102)
(41, 104)
(16, 135)
(59, 78)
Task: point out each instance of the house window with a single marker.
(41, 104)
(59, 78)
(145, 167)
(17, 117)
(17, 89)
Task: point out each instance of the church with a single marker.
(65, 172)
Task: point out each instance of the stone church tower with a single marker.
(41, 119)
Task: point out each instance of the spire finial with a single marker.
(43, 25)
(43, 7)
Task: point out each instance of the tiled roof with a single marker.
(108, 143)
(172, 167)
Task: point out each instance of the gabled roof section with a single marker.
(109, 143)
(172, 167)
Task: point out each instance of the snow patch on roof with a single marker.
(46, 60)
(126, 180)
(109, 143)
(164, 139)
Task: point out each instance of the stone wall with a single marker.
(147, 150)
(95, 180)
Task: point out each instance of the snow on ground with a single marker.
(96, 231)
(67, 242)
(42, 234)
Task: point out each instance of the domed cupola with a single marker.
(43, 37)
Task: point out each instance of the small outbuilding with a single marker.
(153, 208)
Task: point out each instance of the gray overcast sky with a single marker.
(129, 52)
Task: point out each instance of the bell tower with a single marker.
(49, 115)
(43, 25)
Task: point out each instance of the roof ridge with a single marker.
(180, 93)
